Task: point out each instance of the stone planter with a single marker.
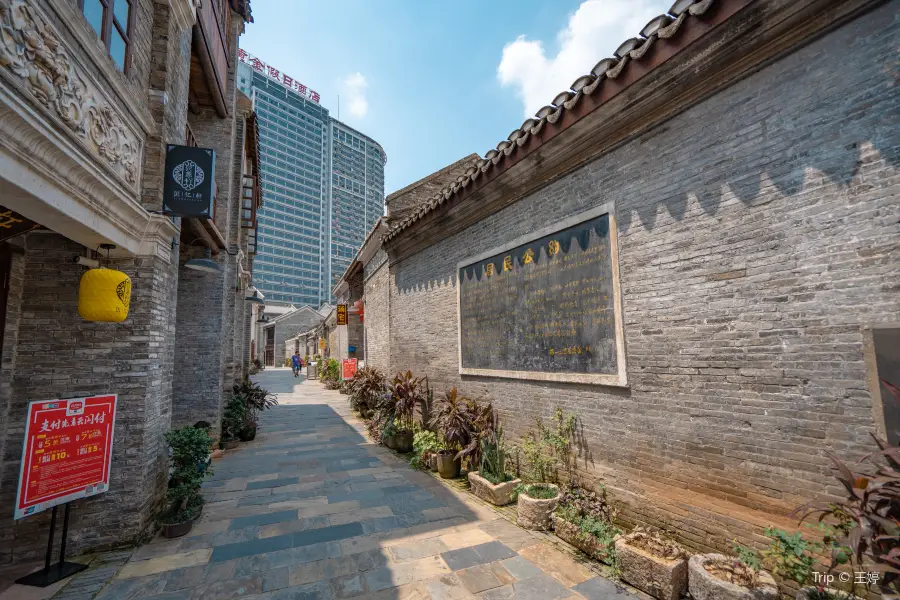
(661, 578)
(448, 466)
(389, 442)
(803, 593)
(403, 442)
(498, 495)
(534, 513)
(704, 586)
(588, 544)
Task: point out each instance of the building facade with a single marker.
(744, 156)
(90, 99)
(324, 187)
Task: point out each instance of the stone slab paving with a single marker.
(312, 510)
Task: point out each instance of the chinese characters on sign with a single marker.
(545, 308)
(348, 368)
(188, 184)
(273, 73)
(67, 452)
(341, 314)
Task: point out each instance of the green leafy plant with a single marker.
(401, 397)
(234, 417)
(255, 396)
(549, 449)
(425, 442)
(188, 453)
(790, 556)
(493, 456)
(538, 491)
(331, 374)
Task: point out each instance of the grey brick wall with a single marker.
(377, 327)
(757, 234)
(57, 354)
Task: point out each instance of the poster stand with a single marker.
(51, 574)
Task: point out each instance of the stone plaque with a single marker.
(545, 306)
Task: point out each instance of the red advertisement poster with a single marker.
(67, 452)
(348, 368)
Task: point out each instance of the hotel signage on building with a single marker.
(67, 452)
(273, 73)
(341, 312)
(188, 189)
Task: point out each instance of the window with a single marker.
(112, 20)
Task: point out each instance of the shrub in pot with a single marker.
(425, 445)
(491, 482)
(653, 564)
(365, 389)
(188, 465)
(720, 577)
(535, 505)
(585, 519)
(233, 419)
(397, 406)
(453, 420)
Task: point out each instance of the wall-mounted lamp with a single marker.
(205, 264)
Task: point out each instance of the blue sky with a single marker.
(436, 80)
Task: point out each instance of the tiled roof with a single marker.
(662, 27)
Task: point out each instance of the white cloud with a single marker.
(354, 94)
(594, 31)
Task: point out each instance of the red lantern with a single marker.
(359, 305)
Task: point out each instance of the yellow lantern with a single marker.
(104, 295)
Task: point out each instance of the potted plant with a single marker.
(247, 433)
(536, 503)
(401, 397)
(584, 519)
(233, 420)
(453, 420)
(546, 450)
(188, 465)
(366, 389)
(739, 577)
(491, 482)
(425, 445)
(652, 563)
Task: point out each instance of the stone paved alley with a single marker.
(312, 509)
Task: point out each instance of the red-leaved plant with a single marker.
(869, 517)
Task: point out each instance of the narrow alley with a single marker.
(312, 509)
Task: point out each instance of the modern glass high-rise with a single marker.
(323, 188)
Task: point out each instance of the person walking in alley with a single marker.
(295, 363)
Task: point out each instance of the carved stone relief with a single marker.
(32, 51)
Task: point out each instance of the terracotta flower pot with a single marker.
(498, 495)
(703, 585)
(230, 444)
(659, 577)
(448, 466)
(571, 534)
(248, 434)
(403, 442)
(534, 513)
